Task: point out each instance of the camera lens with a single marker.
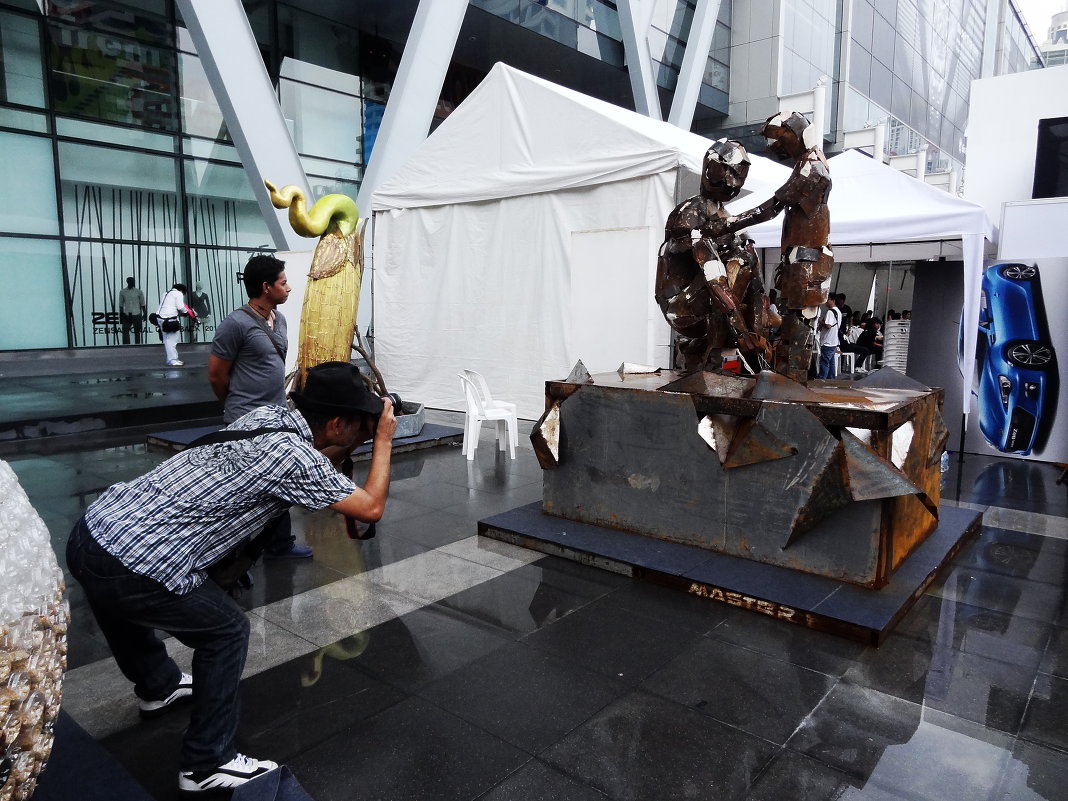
(396, 399)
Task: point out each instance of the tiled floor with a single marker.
(429, 664)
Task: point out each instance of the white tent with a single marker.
(881, 214)
(522, 237)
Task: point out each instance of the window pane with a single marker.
(325, 123)
(201, 115)
(96, 132)
(97, 271)
(21, 78)
(222, 209)
(206, 149)
(33, 273)
(23, 120)
(215, 271)
(28, 202)
(101, 75)
(119, 194)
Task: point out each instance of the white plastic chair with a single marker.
(483, 392)
(505, 420)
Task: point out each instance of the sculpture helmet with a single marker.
(789, 135)
(726, 167)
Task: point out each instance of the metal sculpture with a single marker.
(804, 272)
(332, 297)
(707, 279)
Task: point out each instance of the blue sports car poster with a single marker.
(1022, 343)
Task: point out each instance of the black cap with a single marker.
(336, 388)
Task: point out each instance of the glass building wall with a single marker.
(912, 63)
(119, 164)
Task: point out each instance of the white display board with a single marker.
(1036, 229)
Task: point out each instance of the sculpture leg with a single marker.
(793, 350)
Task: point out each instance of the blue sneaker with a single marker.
(294, 551)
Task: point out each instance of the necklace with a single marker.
(262, 313)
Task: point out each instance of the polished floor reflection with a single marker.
(430, 664)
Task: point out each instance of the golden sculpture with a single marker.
(332, 297)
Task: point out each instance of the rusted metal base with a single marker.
(841, 482)
(817, 602)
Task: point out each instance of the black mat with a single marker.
(430, 436)
(800, 598)
(80, 768)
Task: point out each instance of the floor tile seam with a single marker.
(926, 641)
(1027, 706)
(720, 638)
(1057, 749)
(560, 663)
(923, 705)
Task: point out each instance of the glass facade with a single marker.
(119, 163)
(912, 63)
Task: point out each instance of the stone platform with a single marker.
(817, 602)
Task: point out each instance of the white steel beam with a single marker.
(415, 92)
(694, 59)
(231, 59)
(634, 17)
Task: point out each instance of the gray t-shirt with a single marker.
(257, 377)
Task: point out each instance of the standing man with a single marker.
(247, 366)
(830, 324)
(131, 311)
(141, 550)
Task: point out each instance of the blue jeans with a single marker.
(827, 354)
(129, 608)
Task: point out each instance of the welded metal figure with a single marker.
(707, 282)
(804, 272)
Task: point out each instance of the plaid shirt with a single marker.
(171, 523)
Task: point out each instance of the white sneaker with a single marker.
(233, 774)
(183, 692)
(176, 363)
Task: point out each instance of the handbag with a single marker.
(169, 325)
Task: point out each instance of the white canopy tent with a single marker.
(881, 214)
(522, 236)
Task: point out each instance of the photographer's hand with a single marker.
(387, 422)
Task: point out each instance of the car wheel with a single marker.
(1030, 354)
(1019, 272)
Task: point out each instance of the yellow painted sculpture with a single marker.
(332, 297)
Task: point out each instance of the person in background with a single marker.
(247, 367)
(201, 305)
(131, 312)
(167, 316)
(830, 324)
(872, 339)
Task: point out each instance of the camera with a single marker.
(393, 396)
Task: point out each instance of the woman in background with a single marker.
(172, 305)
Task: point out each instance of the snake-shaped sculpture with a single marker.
(332, 297)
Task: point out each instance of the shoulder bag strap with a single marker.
(266, 328)
(217, 437)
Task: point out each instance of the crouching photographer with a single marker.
(142, 549)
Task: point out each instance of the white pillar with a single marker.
(634, 17)
(232, 62)
(415, 91)
(694, 59)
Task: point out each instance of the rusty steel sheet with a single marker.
(684, 467)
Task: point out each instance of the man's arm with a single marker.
(219, 376)
(368, 503)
